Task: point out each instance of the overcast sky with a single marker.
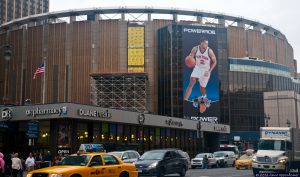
(282, 15)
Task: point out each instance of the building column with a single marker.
(199, 19)
(72, 19)
(175, 17)
(123, 17)
(222, 21)
(241, 23)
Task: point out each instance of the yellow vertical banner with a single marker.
(136, 49)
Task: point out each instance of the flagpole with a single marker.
(44, 83)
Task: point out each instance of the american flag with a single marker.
(39, 71)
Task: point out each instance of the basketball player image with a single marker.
(205, 63)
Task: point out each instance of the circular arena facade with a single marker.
(113, 58)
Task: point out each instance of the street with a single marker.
(217, 172)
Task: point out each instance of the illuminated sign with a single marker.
(93, 113)
(38, 111)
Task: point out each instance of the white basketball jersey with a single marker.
(202, 59)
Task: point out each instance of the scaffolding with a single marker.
(126, 91)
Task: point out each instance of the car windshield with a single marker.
(153, 155)
(76, 160)
(246, 157)
(219, 154)
(277, 145)
(200, 155)
(118, 154)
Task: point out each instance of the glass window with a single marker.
(76, 160)
(163, 137)
(110, 160)
(96, 160)
(151, 138)
(120, 133)
(82, 133)
(133, 136)
(126, 133)
(44, 135)
(132, 155)
(157, 137)
(125, 155)
(104, 134)
(112, 132)
(64, 133)
(146, 138)
(96, 132)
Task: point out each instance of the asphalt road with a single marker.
(217, 172)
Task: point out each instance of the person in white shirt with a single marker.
(16, 165)
(30, 163)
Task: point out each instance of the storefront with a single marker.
(61, 128)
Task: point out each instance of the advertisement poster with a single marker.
(64, 135)
(200, 74)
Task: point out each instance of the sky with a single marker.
(281, 15)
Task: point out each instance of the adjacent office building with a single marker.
(13, 9)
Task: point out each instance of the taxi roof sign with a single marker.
(91, 148)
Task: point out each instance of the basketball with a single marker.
(202, 108)
(190, 62)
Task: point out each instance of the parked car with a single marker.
(198, 160)
(244, 161)
(228, 157)
(161, 162)
(230, 147)
(129, 156)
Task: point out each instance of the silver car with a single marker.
(129, 156)
(198, 160)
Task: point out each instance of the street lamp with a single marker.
(7, 55)
(267, 118)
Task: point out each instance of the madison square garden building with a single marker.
(118, 77)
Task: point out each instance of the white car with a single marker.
(129, 156)
(226, 158)
(198, 160)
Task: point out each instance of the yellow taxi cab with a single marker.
(98, 164)
(244, 161)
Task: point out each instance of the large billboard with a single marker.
(200, 74)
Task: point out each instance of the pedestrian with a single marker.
(48, 158)
(16, 165)
(8, 163)
(57, 159)
(205, 161)
(2, 165)
(30, 163)
(38, 160)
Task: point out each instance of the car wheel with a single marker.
(161, 172)
(183, 171)
(193, 167)
(124, 174)
(76, 176)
